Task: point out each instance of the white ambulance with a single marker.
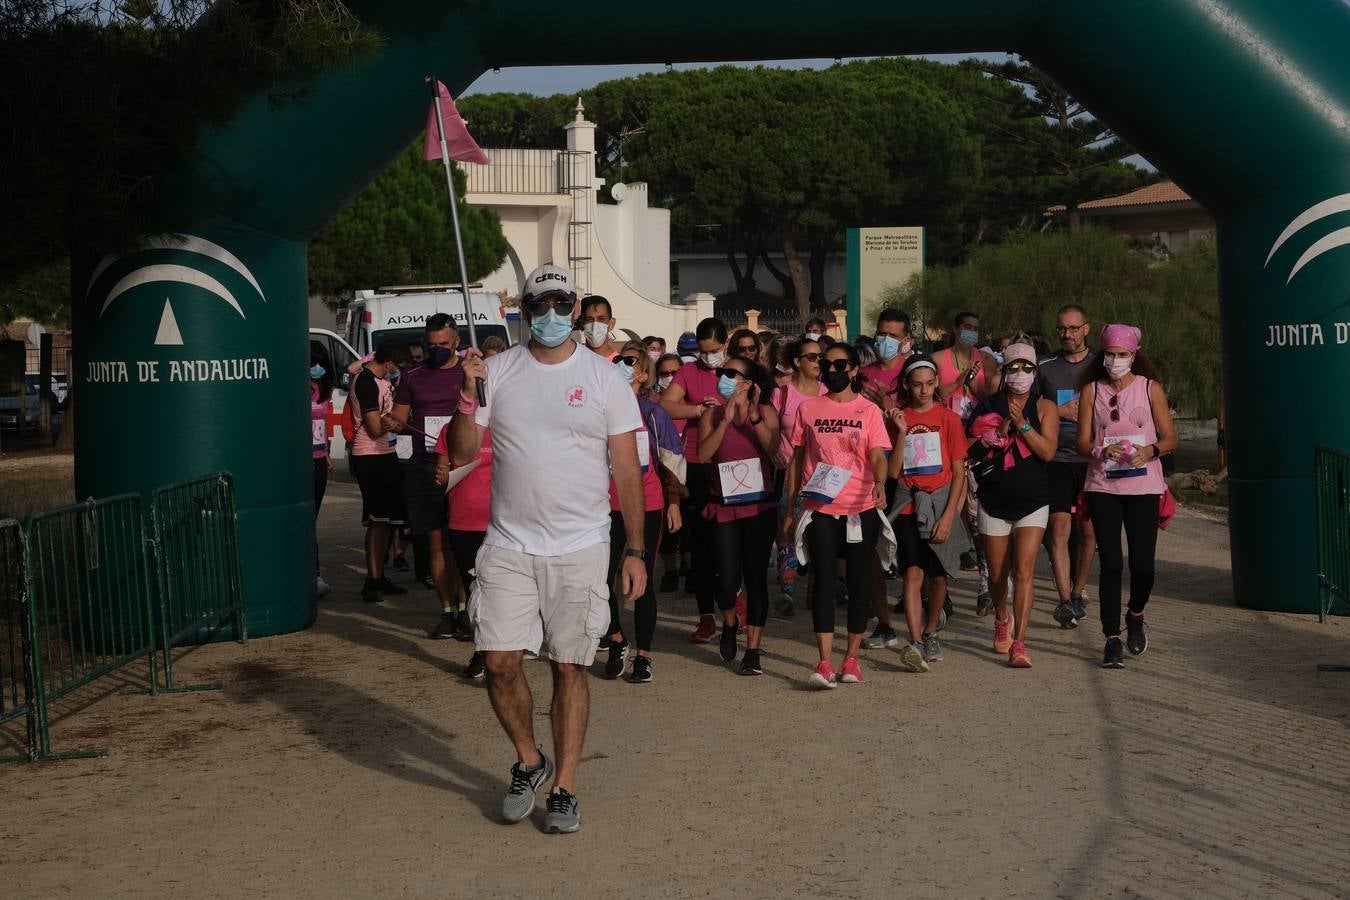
(402, 312)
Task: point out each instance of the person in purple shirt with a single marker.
(423, 404)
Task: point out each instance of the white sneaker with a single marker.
(321, 587)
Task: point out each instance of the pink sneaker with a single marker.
(705, 632)
(742, 618)
(1017, 656)
(850, 672)
(1003, 634)
(822, 676)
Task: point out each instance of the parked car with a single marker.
(32, 400)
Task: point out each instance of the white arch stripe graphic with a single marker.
(190, 243)
(1317, 211)
(1336, 239)
(181, 274)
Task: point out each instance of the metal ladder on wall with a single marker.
(575, 179)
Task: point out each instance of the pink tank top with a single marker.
(1117, 417)
(788, 401)
(960, 401)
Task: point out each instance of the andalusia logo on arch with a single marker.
(1314, 213)
(168, 333)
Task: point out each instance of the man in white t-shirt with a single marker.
(561, 418)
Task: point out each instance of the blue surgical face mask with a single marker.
(726, 386)
(551, 329)
(888, 348)
(316, 373)
(968, 336)
(438, 356)
(394, 375)
(626, 370)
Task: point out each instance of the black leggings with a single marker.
(1138, 513)
(702, 536)
(644, 608)
(320, 486)
(463, 546)
(743, 552)
(826, 542)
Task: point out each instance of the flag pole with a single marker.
(454, 219)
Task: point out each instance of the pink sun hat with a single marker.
(1126, 337)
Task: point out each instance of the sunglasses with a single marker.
(1020, 367)
(1115, 407)
(539, 306)
(730, 373)
(626, 360)
(838, 365)
(747, 348)
(810, 357)
(669, 373)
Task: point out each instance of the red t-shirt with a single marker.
(841, 435)
(699, 383)
(470, 499)
(935, 441)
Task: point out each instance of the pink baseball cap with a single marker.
(1024, 352)
(1126, 337)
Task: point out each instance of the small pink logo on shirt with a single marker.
(576, 395)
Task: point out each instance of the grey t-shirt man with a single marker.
(1058, 381)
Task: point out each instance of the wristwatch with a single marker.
(1026, 426)
(637, 554)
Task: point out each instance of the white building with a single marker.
(709, 273)
(550, 212)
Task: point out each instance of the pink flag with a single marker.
(457, 139)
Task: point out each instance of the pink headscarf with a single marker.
(1127, 337)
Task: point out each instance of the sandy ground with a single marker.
(351, 761)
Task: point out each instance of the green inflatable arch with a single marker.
(1245, 102)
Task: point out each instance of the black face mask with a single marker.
(835, 381)
(438, 356)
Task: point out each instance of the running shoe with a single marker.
(899, 607)
(669, 582)
(445, 626)
(525, 784)
(321, 587)
(1065, 616)
(463, 630)
(1136, 635)
(850, 672)
(564, 814)
(984, 604)
(727, 646)
(911, 658)
(389, 589)
(932, 647)
(1079, 604)
(399, 564)
(476, 670)
(703, 634)
(782, 607)
(428, 583)
(1017, 656)
(604, 642)
(370, 591)
(1114, 655)
(884, 636)
(969, 562)
(642, 670)
(822, 676)
(1003, 634)
(618, 655)
(750, 663)
(742, 617)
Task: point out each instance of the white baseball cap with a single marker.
(548, 279)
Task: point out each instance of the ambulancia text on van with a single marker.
(402, 312)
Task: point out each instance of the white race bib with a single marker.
(923, 453)
(402, 445)
(826, 482)
(644, 443)
(319, 430)
(742, 481)
(432, 425)
(1121, 468)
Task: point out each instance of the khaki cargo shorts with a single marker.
(519, 601)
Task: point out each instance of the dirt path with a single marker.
(350, 761)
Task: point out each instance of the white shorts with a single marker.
(518, 601)
(994, 527)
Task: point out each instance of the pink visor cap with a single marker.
(1126, 337)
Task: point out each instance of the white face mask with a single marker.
(714, 359)
(596, 333)
(653, 355)
(813, 335)
(1119, 366)
(664, 381)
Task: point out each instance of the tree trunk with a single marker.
(801, 279)
(784, 279)
(980, 230)
(820, 257)
(735, 268)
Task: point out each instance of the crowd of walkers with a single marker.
(844, 471)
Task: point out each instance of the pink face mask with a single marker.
(1019, 382)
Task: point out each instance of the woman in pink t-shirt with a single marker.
(738, 440)
(839, 471)
(320, 407)
(468, 521)
(802, 358)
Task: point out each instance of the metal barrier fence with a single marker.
(1331, 479)
(89, 601)
(16, 687)
(196, 539)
